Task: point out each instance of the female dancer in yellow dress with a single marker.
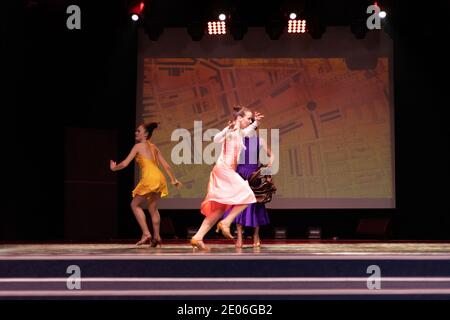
(226, 188)
(152, 185)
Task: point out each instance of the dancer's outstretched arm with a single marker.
(168, 169)
(115, 167)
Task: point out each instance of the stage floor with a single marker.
(277, 270)
(226, 248)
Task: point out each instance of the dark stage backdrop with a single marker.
(87, 180)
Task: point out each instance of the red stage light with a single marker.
(136, 11)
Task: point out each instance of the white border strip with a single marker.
(231, 279)
(254, 256)
(227, 292)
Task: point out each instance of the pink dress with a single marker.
(226, 187)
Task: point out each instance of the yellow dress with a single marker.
(152, 179)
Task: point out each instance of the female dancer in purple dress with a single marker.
(255, 215)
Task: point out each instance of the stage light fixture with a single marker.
(217, 27)
(296, 26)
(237, 26)
(136, 11)
(238, 29)
(314, 233)
(275, 28)
(222, 17)
(196, 29)
(382, 14)
(316, 28)
(280, 233)
(360, 24)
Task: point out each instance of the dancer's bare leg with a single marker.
(239, 235)
(235, 211)
(136, 206)
(207, 224)
(256, 239)
(156, 218)
(224, 225)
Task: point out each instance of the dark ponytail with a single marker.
(240, 111)
(149, 127)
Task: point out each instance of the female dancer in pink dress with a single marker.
(226, 188)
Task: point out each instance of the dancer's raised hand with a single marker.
(258, 116)
(177, 184)
(112, 165)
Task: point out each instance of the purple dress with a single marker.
(255, 214)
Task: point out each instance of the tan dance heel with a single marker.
(198, 244)
(225, 230)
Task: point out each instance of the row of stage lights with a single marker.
(219, 27)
